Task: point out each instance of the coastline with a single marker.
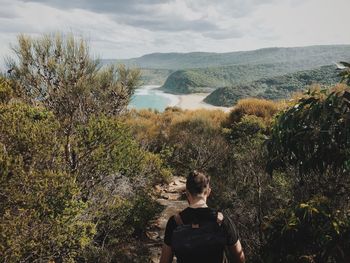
(195, 101)
(192, 101)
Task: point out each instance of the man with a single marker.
(207, 229)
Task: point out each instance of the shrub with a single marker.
(40, 205)
(261, 108)
(308, 232)
(249, 126)
(6, 92)
(313, 137)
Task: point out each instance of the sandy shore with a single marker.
(195, 101)
(186, 101)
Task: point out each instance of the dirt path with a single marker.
(170, 199)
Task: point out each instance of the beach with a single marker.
(151, 96)
(195, 101)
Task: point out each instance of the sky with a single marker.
(132, 28)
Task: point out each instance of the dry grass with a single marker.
(213, 117)
(261, 108)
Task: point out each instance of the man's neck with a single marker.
(200, 203)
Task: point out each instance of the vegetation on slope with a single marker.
(277, 205)
(74, 183)
(279, 87)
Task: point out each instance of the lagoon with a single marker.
(150, 97)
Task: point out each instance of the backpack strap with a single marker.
(219, 218)
(178, 220)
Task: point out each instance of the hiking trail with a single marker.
(170, 197)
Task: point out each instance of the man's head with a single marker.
(197, 184)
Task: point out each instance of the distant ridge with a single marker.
(176, 61)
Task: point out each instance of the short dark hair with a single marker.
(197, 182)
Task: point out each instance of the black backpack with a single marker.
(198, 240)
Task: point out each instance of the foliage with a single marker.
(58, 73)
(314, 134)
(249, 126)
(264, 109)
(308, 232)
(77, 159)
(6, 92)
(104, 147)
(197, 145)
(156, 168)
(119, 220)
(244, 190)
(77, 169)
(273, 87)
(193, 139)
(40, 207)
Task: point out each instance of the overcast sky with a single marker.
(131, 28)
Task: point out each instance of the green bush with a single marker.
(308, 232)
(40, 205)
(249, 126)
(313, 134)
(6, 92)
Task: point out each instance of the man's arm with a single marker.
(167, 254)
(237, 252)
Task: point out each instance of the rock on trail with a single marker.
(172, 202)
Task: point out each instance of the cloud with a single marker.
(131, 28)
(170, 15)
(105, 6)
(161, 25)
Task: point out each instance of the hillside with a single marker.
(318, 55)
(274, 87)
(154, 76)
(208, 79)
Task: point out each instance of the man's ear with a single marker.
(208, 191)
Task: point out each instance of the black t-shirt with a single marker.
(198, 215)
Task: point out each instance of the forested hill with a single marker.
(196, 71)
(319, 55)
(274, 87)
(208, 79)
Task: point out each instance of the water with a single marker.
(148, 97)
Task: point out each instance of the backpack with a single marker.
(192, 240)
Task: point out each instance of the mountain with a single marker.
(320, 55)
(183, 73)
(279, 87)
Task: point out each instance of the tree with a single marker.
(40, 204)
(58, 72)
(73, 181)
